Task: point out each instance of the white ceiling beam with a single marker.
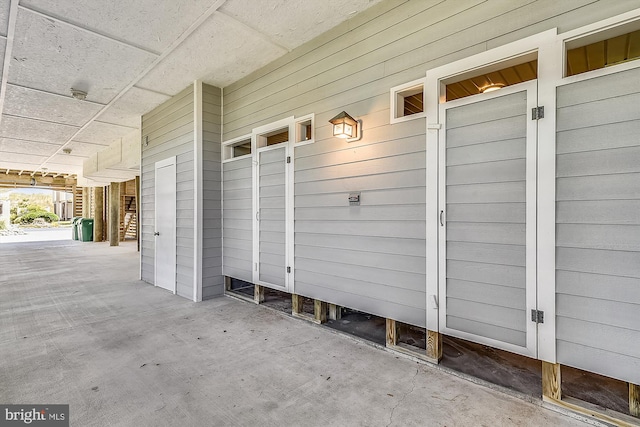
(87, 30)
(198, 22)
(11, 31)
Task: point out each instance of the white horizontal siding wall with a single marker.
(238, 219)
(212, 281)
(598, 225)
(170, 132)
(372, 257)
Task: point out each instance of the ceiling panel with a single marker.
(9, 145)
(291, 23)
(64, 168)
(35, 130)
(55, 57)
(23, 158)
(147, 23)
(85, 149)
(102, 133)
(17, 165)
(203, 55)
(4, 16)
(66, 160)
(127, 110)
(25, 102)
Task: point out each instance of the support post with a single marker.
(86, 203)
(551, 381)
(392, 333)
(634, 399)
(114, 214)
(98, 218)
(319, 311)
(258, 294)
(227, 283)
(434, 345)
(297, 301)
(335, 312)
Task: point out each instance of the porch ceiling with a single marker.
(129, 56)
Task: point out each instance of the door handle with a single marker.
(442, 218)
(157, 233)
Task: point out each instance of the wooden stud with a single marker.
(392, 333)
(634, 399)
(86, 203)
(114, 214)
(319, 311)
(98, 223)
(297, 302)
(335, 312)
(551, 381)
(434, 345)
(258, 294)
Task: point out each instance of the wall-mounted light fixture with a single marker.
(345, 126)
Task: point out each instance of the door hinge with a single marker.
(288, 159)
(288, 269)
(537, 316)
(537, 113)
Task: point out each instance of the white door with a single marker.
(165, 224)
(272, 215)
(487, 233)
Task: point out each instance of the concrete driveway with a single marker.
(77, 327)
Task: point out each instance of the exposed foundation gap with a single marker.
(239, 289)
(357, 323)
(413, 341)
(309, 309)
(594, 395)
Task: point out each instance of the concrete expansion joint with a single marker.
(413, 387)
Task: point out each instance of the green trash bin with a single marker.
(74, 227)
(86, 230)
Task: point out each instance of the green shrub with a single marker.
(3, 225)
(28, 217)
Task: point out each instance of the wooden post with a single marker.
(114, 214)
(86, 203)
(138, 211)
(297, 301)
(335, 312)
(98, 223)
(392, 333)
(434, 345)
(258, 294)
(551, 381)
(319, 311)
(634, 399)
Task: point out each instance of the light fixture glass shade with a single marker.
(492, 87)
(344, 126)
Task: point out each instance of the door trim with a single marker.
(170, 163)
(288, 146)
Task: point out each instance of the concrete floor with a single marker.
(77, 327)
